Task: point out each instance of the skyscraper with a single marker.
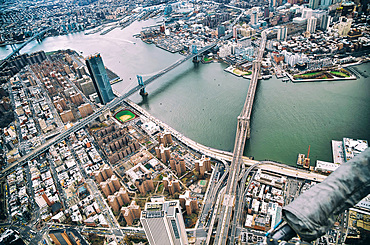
(282, 33)
(326, 3)
(313, 4)
(325, 21)
(254, 18)
(221, 31)
(311, 25)
(100, 78)
(272, 4)
(163, 222)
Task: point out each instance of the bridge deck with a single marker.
(243, 132)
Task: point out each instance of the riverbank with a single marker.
(335, 74)
(352, 77)
(221, 155)
(239, 73)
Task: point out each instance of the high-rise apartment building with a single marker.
(131, 212)
(282, 33)
(344, 26)
(103, 174)
(118, 199)
(202, 165)
(313, 4)
(110, 186)
(311, 25)
(85, 110)
(178, 164)
(325, 22)
(165, 138)
(100, 78)
(188, 202)
(163, 222)
(171, 185)
(67, 116)
(163, 153)
(144, 184)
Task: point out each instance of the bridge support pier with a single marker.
(13, 47)
(196, 59)
(194, 50)
(141, 83)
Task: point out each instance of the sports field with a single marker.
(124, 116)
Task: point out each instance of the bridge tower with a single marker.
(194, 50)
(13, 47)
(141, 83)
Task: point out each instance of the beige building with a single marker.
(171, 185)
(202, 165)
(178, 164)
(85, 110)
(189, 203)
(163, 153)
(131, 213)
(145, 184)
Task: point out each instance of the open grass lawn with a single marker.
(311, 74)
(339, 74)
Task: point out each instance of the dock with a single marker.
(108, 30)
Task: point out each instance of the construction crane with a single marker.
(307, 159)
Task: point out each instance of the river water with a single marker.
(203, 102)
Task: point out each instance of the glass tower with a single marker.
(100, 78)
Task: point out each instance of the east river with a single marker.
(203, 102)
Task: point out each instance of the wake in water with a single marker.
(122, 40)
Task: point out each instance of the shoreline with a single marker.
(221, 155)
(352, 77)
(230, 70)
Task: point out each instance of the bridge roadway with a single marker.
(177, 63)
(23, 45)
(243, 132)
(79, 125)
